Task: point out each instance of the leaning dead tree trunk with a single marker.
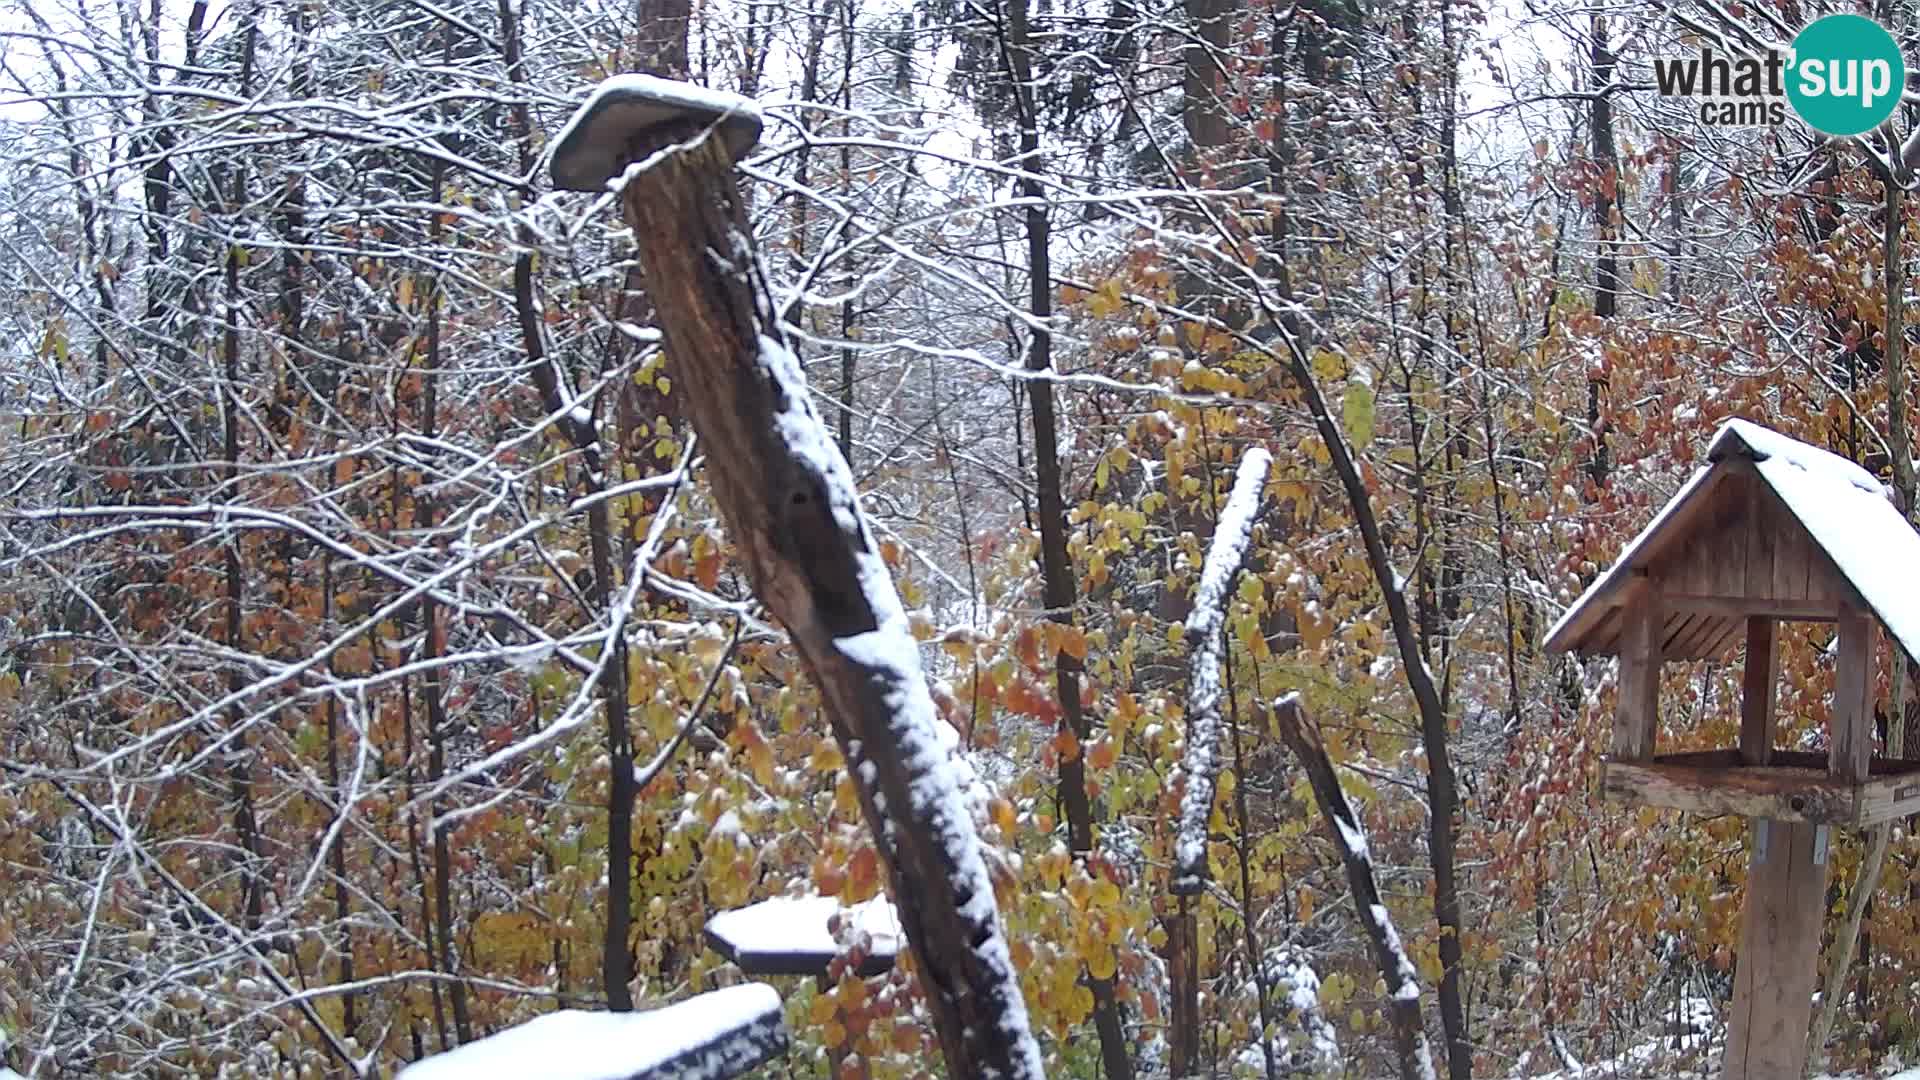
(1350, 839)
(788, 498)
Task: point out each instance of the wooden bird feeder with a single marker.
(1771, 530)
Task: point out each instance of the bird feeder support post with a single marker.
(1637, 712)
(1787, 872)
(1757, 694)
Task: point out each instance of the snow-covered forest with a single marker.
(1233, 392)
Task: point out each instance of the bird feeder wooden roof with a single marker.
(1769, 527)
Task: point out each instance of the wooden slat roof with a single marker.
(1770, 525)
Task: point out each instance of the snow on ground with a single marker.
(711, 1036)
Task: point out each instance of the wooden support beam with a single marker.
(1740, 606)
(1637, 715)
(1850, 725)
(1779, 954)
(1794, 785)
(1757, 693)
(1786, 794)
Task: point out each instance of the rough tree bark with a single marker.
(789, 502)
(1343, 828)
(1606, 266)
(240, 758)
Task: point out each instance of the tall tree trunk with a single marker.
(1867, 877)
(434, 622)
(1056, 566)
(1606, 267)
(576, 421)
(240, 757)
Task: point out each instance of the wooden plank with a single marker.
(1698, 641)
(1825, 586)
(1739, 607)
(1604, 640)
(1850, 724)
(1723, 758)
(1757, 691)
(1762, 541)
(1673, 633)
(1787, 794)
(1790, 551)
(1731, 630)
(1779, 955)
(1727, 549)
(1888, 798)
(1814, 763)
(1637, 714)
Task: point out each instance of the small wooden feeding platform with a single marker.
(718, 1035)
(803, 935)
(797, 935)
(1771, 530)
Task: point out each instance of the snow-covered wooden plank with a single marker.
(801, 935)
(712, 1036)
(1200, 763)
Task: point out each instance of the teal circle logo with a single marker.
(1845, 74)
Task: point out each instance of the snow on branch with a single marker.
(711, 1036)
(1350, 839)
(1231, 536)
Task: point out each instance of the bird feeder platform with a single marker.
(1793, 786)
(1770, 531)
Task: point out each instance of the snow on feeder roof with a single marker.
(792, 935)
(712, 1036)
(595, 145)
(1770, 526)
(1771, 530)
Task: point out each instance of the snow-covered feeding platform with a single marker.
(802, 935)
(712, 1036)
